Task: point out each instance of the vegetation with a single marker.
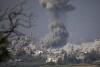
(10, 19)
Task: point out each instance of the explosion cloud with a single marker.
(58, 34)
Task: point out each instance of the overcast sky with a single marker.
(83, 23)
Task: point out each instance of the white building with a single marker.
(38, 52)
(51, 59)
(55, 57)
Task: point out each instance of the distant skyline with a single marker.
(83, 23)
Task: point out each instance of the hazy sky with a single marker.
(83, 23)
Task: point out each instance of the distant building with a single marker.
(55, 57)
(26, 47)
(51, 59)
(38, 52)
(81, 57)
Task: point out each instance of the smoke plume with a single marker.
(58, 34)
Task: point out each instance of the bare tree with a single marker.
(10, 19)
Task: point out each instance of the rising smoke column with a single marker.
(58, 34)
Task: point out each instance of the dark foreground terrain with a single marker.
(23, 64)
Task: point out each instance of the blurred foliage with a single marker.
(4, 53)
(34, 59)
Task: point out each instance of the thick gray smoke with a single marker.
(58, 34)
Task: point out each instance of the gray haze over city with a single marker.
(83, 23)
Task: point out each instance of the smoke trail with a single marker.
(58, 34)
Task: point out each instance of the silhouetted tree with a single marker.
(10, 19)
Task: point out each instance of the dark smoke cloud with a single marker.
(58, 34)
